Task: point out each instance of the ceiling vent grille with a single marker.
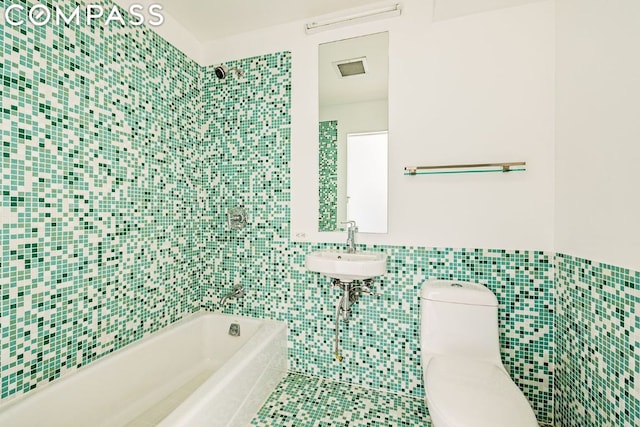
(351, 67)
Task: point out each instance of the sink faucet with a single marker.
(237, 291)
(351, 236)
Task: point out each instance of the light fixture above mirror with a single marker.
(355, 18)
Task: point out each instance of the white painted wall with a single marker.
(448, 9)
(478, 88)
(598, 130)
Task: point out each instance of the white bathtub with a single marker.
(192, 373)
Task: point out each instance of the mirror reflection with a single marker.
(353, 143)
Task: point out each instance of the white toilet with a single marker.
(465, 381)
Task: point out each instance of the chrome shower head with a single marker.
(222, 71)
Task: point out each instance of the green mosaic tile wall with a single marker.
(245, 155)
(98, 194)
(597, 344)
(328, 171)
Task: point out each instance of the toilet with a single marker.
(465, 382)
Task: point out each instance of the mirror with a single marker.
(353, 125)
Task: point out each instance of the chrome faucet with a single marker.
(352, 229)
(236, 292)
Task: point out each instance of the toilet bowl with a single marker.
(466, 384)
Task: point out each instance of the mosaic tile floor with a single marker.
(308, 401)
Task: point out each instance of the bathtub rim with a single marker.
(14, 400)
(246, 355)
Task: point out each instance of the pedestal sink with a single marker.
(346, 266)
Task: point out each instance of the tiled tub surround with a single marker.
(99, 194)
(245, 156)
(597, 326)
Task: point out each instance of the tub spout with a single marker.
(236, 292)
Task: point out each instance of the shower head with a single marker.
(222, 71)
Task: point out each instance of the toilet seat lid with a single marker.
(475, 393)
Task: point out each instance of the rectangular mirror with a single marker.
(353, 129)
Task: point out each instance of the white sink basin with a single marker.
(347, 267)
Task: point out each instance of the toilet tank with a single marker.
(458, 319)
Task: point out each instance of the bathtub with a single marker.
(192, 373)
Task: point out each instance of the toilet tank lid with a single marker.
(455, 291)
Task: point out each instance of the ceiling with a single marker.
(449, 9)
(209, 20)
